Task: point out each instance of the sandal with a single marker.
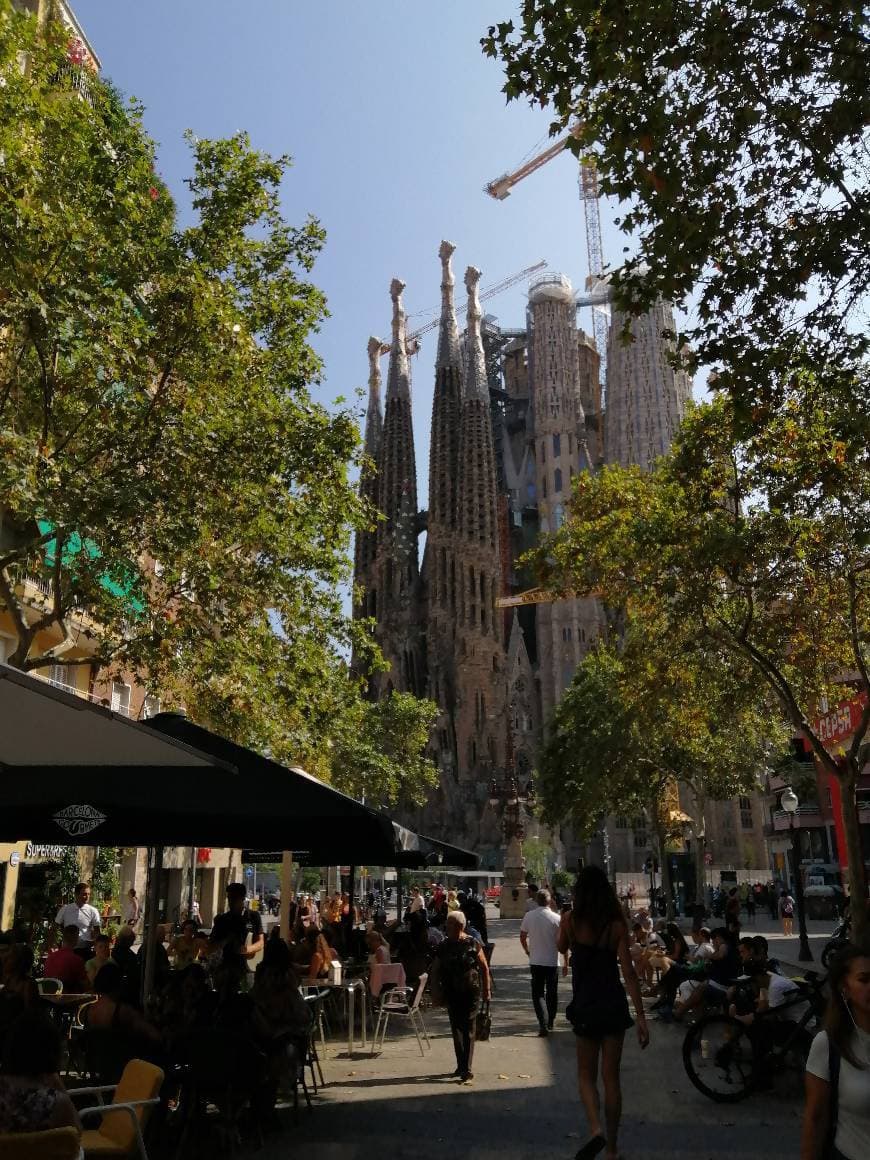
(591, 1148)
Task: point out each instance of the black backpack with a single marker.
(460, 971)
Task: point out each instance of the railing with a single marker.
(805, 818)
(86, 695)
(76, 78)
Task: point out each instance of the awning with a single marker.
(432, 852)
(71, 770)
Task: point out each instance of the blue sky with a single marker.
(395, 122)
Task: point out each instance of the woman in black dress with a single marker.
(595, 933)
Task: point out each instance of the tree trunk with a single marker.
(857, 876)
(664, 865)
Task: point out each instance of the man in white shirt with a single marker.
(417, 900)
(538, 935)
(84, 917)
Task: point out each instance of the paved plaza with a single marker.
(523, 1103)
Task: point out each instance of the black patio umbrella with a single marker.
(73, 771)
(433, 852)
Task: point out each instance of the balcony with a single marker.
(807, 817)
(77, 80)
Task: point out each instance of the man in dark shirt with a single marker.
(238, 928)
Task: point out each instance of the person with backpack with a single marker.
(462, 978)
(836, 1123)
(786, 913)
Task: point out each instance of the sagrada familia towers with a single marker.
(515, 415)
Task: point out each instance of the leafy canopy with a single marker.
(164, 470)
(735, 135)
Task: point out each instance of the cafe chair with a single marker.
(121, 1131)
(49, 986)
(395, 1004)
(52, 1144)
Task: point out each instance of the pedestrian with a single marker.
(532, 900)
(786, 913)
(239, 928)
(596, 934)
(132, 911)
(464, 975)
(773, 900)
(750, 905)
(732, 911)
(84, 917)
(539, 936)
(836, 1120)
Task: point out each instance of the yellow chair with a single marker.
(123, 1121)
(52, 1144)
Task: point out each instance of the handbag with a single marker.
(483, 1023)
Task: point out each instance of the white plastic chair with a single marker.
(395, 1002)
(49, 986)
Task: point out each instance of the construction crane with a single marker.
(598, 295)
(412, 342)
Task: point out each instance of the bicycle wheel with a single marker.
(720, 1059)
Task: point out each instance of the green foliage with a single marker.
(735, 136)
(155, 406)
(757, 545)
(644, 715)
(310, 880)
(380, 755)
(104, 880)
(538, 857)
(562, 880)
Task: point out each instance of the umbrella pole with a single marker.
(286, 891)
(151, 925)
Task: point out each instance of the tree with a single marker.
(154, 400)
(538, 857)
(644, 715)
(735, 135)
(759, 545)
(165, 475)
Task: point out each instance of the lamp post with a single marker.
(512, 799)
(789, 802)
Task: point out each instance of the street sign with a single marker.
(249, 871)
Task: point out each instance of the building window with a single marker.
(557, 445)
(150, 706)
(746, 813)
(621, 822)
(557, 479)
(60, 676)
(640, 840)
(120, 702)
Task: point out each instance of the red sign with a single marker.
(836, 727)
(203, 855)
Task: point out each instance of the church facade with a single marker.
(516, 414)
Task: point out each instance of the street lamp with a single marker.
(789, 802)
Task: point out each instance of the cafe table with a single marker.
(349, 988)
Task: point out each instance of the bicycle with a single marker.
(728, 1060)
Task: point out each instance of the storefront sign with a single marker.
(14, 858)
(838, 726)
(50, 853)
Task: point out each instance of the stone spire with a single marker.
(399, 374)
(448, 334)
(396, 568)
(365, 543)
(476, 386)
(374, 415)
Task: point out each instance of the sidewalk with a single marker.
(523, 1103)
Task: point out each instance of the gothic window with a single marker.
(543, 452)
(640, 840)
(490, 745)
(520, 686)
(557, 445)
(544, 486)
(557, 479)
(495, 664)
(530, 492)
(621, 822)
(523, 763)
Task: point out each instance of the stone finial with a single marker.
(399, 374)
(448, 333)
(374, 348)
(476, 385)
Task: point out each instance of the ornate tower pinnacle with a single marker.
(448, 334)
(399, 374)
(374, 417)
(476, 386)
